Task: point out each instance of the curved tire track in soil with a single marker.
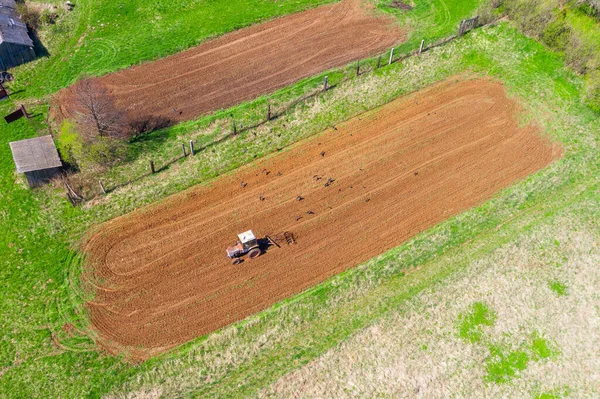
(247, 63)
(161, 273)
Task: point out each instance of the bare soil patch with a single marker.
(161, 276)
(247, 63)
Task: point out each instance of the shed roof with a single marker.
(35, 154)
(12, 28)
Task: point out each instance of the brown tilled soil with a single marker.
(347, 195)
(247, 63)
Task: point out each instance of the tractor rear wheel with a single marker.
(254, 253)
(236, 261)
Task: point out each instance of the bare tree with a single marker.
(97, 115)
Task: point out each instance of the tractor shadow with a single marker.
(265, 245)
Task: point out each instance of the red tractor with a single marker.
(248, 244)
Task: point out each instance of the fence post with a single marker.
(326, 83)
(421, 48)
(183, 149)
(234, 128)
(71, 198)
(152, 169)
(102, 187)
(357, 68)
(192, 151)
(269, 112)
(379, 62)
(391, 56)
(25, 114)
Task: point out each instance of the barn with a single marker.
(37, 158)
(16, 47)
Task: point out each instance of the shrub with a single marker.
(542, 20)
(532, 17)
(557, 34)
(48, 17)
(593, 62)
(580, 54)
(29, 15)
(488, 12)
(589, 7)
(69, 143)
(103, 152)
(85, 153)
(592, 90)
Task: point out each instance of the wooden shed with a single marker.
(16, 47)
(37, 158)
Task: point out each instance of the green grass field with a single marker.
(39, 265)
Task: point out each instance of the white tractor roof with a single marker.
(246, 237)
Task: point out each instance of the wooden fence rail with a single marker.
(465, 26)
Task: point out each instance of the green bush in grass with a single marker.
(592, 90)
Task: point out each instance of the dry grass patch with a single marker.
(515, 337)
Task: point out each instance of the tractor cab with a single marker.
(247, 244)
(248, 240)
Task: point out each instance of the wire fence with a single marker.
(272, 112)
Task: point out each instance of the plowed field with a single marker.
(161, 274)
(247, 63)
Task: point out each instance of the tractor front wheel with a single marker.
(236, 261)
(254, 253)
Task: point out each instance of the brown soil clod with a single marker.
(171, 282)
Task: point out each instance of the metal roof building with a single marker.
(37, 158)
(16, 47)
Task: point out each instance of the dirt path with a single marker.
(397, 171)
(247, 63)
